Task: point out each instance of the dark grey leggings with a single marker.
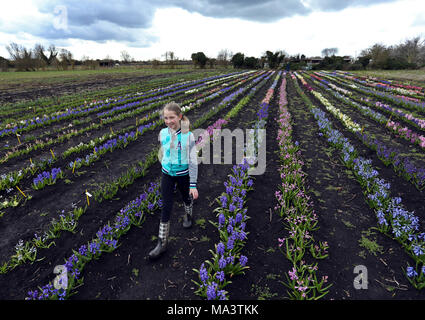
(167, 191)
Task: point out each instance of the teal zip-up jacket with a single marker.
(178, 154)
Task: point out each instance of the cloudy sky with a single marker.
(146, 29)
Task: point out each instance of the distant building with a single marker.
(314, 60)
(106, 63)
(348, 59)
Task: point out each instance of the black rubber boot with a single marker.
(161, 246)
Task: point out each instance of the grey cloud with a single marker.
(267, 10)
(97, 20)
(128, 21)
(129, 14)
(337, 5)
(260, 11)
(99, 31)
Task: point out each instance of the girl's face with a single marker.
(172, 120)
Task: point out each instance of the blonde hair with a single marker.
(175, 107)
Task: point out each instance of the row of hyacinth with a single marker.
(387, 155)
(149, 100)
(402, 101)
(213, 93)
(226, 101)
(406, 91)
(108, 120)
(225, 89)
(392, 217)
(13, 178)
(50, 178)
(396, 127)
(263, 111)
(405, 116)
(37, 121)
(295, 206)
(84, 110)
(270, 91)
(209, 132)
(401, 164)
(143, 128)
(224, 79)
(386, 85)
(401, 114)
(231, 97)
(47, 178)
(363, 109)
(393, 83)
(30, 252)
(262, 116)
(110, 145)
(207, 95)
(420, 106)
(106, 240)
(137, 110)
(265, 103)
(346, 120)
(226, 259)
(406, 133)
(57, 227)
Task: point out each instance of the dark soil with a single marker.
(18, 223)
(27, 276)
(32, 91)
(345, 221)
(171, 276)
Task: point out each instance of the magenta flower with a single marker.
(293, 274)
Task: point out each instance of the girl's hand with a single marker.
(194, 193)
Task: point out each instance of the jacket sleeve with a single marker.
(193, 162)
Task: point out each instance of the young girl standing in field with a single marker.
(178, 158)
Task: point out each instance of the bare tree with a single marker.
(328, 52)
(170, 59)
(65, 59)
(379, 55)
(23, 57)
(223, 57)
(410, 51)
(125, 57)
(40, 55)
(421, 56)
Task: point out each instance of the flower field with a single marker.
(343, 190)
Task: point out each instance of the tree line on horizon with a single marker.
(409, 54)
